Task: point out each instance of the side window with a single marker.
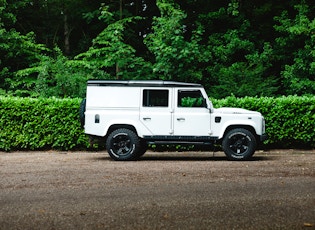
(155, 98)
(190, 98)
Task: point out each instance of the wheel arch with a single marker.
(247, 127)
(121, 126)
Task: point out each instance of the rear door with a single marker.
(156, 110)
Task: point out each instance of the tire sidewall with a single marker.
(251, 140)
(133, 152)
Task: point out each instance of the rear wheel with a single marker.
(123, 144)
(239, 144)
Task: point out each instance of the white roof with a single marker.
(141, 83)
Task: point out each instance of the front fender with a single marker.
(238, 124)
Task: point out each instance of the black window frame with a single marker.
(195, 99)
(155, 98)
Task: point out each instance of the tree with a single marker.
(60, 76)
(225, 60)
(297, 45)
(58, 23)
(175, 56)
(110, 50)
(237, 67)
(17, 51)
(245, 48)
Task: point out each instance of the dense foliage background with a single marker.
(245, 48)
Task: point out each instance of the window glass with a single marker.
(190, 98)
(155, 98)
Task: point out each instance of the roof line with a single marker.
(137, 83)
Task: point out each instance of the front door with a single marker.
(191, 115)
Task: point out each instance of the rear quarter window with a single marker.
(155, 98)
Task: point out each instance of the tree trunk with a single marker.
(120, 17)
(66, 34)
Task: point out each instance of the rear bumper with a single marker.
(263, 137)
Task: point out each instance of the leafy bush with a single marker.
(37, 124)
(34, 124)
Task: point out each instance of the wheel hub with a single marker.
(240, 145)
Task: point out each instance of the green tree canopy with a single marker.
(244, 48)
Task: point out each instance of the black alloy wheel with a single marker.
(239, 144)
(123, 144)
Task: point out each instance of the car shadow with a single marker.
(156, 156)
(197, 158)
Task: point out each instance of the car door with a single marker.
(191, 115)
(156, 111)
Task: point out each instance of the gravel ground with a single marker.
(187, 190)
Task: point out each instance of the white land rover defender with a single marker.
(128, 115)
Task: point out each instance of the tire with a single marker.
(239, 144)
(123, 145)
(82, 112)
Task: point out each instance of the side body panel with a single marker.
(107, 105)
(220, 122)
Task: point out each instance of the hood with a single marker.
(226, 110)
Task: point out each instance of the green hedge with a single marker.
(36, 124)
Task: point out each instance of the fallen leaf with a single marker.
(308, 225)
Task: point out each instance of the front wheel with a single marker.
(123, 144)
(239, 144)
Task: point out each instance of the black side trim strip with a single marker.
(180, 138)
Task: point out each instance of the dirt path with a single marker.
(87, 190)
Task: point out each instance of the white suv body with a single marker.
(130, 114)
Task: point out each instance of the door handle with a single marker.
(146, 119)
(181, 119)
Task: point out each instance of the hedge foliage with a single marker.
(37, 124)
